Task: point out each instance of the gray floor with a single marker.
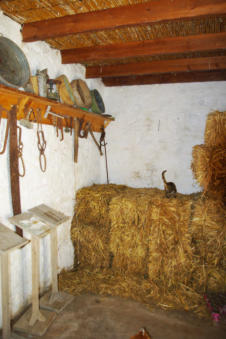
(94, 317)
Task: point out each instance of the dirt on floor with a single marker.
(98, 317)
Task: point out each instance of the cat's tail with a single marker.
(163, 176)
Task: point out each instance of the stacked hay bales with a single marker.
(147, 247)
(137, 243)
(91, 225)
(209, 160)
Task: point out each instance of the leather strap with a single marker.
(14, 165)
(76, 142)
(6, 131)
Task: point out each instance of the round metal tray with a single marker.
(14, 67)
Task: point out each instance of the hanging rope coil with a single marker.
(41, 143)
(6, 131)
(20, 147)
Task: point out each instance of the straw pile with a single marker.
(209, 160)
(149, 248)
(105, 282)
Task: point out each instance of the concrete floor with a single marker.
(95, 317)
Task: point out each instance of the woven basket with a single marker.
(65, 90)
(81, 93)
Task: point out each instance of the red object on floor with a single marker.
(142, 334)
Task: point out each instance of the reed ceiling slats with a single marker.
(31, 11)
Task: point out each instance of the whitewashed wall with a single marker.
(57, 186)
(155, 129)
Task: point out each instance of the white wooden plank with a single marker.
(10, 240)
(28, 222)
(49, 215)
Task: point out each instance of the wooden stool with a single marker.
(8, 241)
(33, 321)
(53, 300)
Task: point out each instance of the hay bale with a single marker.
(130, 226)
(170, 252)
(208, 230)
(180, 242)
(215, 131)
(209, 169)
(91, 224)
(91, 246)
(92, 204)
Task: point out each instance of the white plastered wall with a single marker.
(56, 187)
(155, 129)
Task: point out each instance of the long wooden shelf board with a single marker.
(10, 96)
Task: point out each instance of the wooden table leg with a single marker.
(55, 300)
(54, 264)
(5, 296)
(36, 315)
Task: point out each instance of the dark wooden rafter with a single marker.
(137, 14)
(166, 78)
(159, 66)
(185, 44)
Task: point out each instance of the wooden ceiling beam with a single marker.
(159, 66)
(167, 78)
(181, 44)
(137, 14)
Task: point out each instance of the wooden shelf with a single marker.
(10, 96)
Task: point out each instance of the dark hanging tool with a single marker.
(14, 164)
(83, 130)
(76, 135)
(103, 144)
(60, 127)
(67, 128)
(95, 141)
(27, 112)
(57, 121)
